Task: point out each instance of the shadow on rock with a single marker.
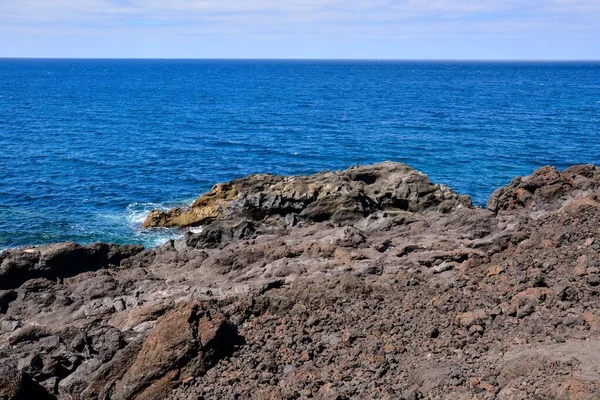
(60, 260)
(184, 343)
(17, 385)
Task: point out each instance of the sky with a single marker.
(332, 29)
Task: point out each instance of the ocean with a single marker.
(88, 147)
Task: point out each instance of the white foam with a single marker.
(132, 219)
(156, 237)
(137, 212)
(160, 240)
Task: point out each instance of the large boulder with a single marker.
(545, 189)
(184, 343)
(18, 385)
(337, 196)
(59, 260)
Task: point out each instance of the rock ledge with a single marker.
(368, 283)
(328, 196)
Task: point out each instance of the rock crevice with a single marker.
(367, 283)
(341, 197)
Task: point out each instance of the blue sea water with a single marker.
(89, 146)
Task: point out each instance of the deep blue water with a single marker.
(89, 146)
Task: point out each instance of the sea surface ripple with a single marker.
(90, 146)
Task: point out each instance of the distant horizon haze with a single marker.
(249, 59)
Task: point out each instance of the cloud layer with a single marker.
(465, 24)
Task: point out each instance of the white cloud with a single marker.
(304, 17)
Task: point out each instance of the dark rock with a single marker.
(219, 234)
(6, 297)
(17, 385)
(340, 197)
(59, 260)
(350, 307)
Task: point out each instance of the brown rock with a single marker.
(537, 295)
(544, 188)
(579, 389)
(185, 341)
(468, 319)
(495, 270)
(340, 196)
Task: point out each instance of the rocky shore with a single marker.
(371, 282)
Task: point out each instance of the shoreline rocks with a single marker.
(327, 196)
(545, 188)
(367, 283)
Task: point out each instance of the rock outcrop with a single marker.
(546, 188)
(410, 294)
(59, 260)
(183, 343)
(328, 196)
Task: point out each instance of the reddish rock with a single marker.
(329, 304)
(185, 342)
(579, 389)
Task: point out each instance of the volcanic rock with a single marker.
(328, 196)
(365, 283)
(58, 260)
(546, 188)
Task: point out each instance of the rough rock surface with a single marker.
(327, 196)
(423, 301)
(546, 188)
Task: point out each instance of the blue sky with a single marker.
(386, 29)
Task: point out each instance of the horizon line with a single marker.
(307, 59)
